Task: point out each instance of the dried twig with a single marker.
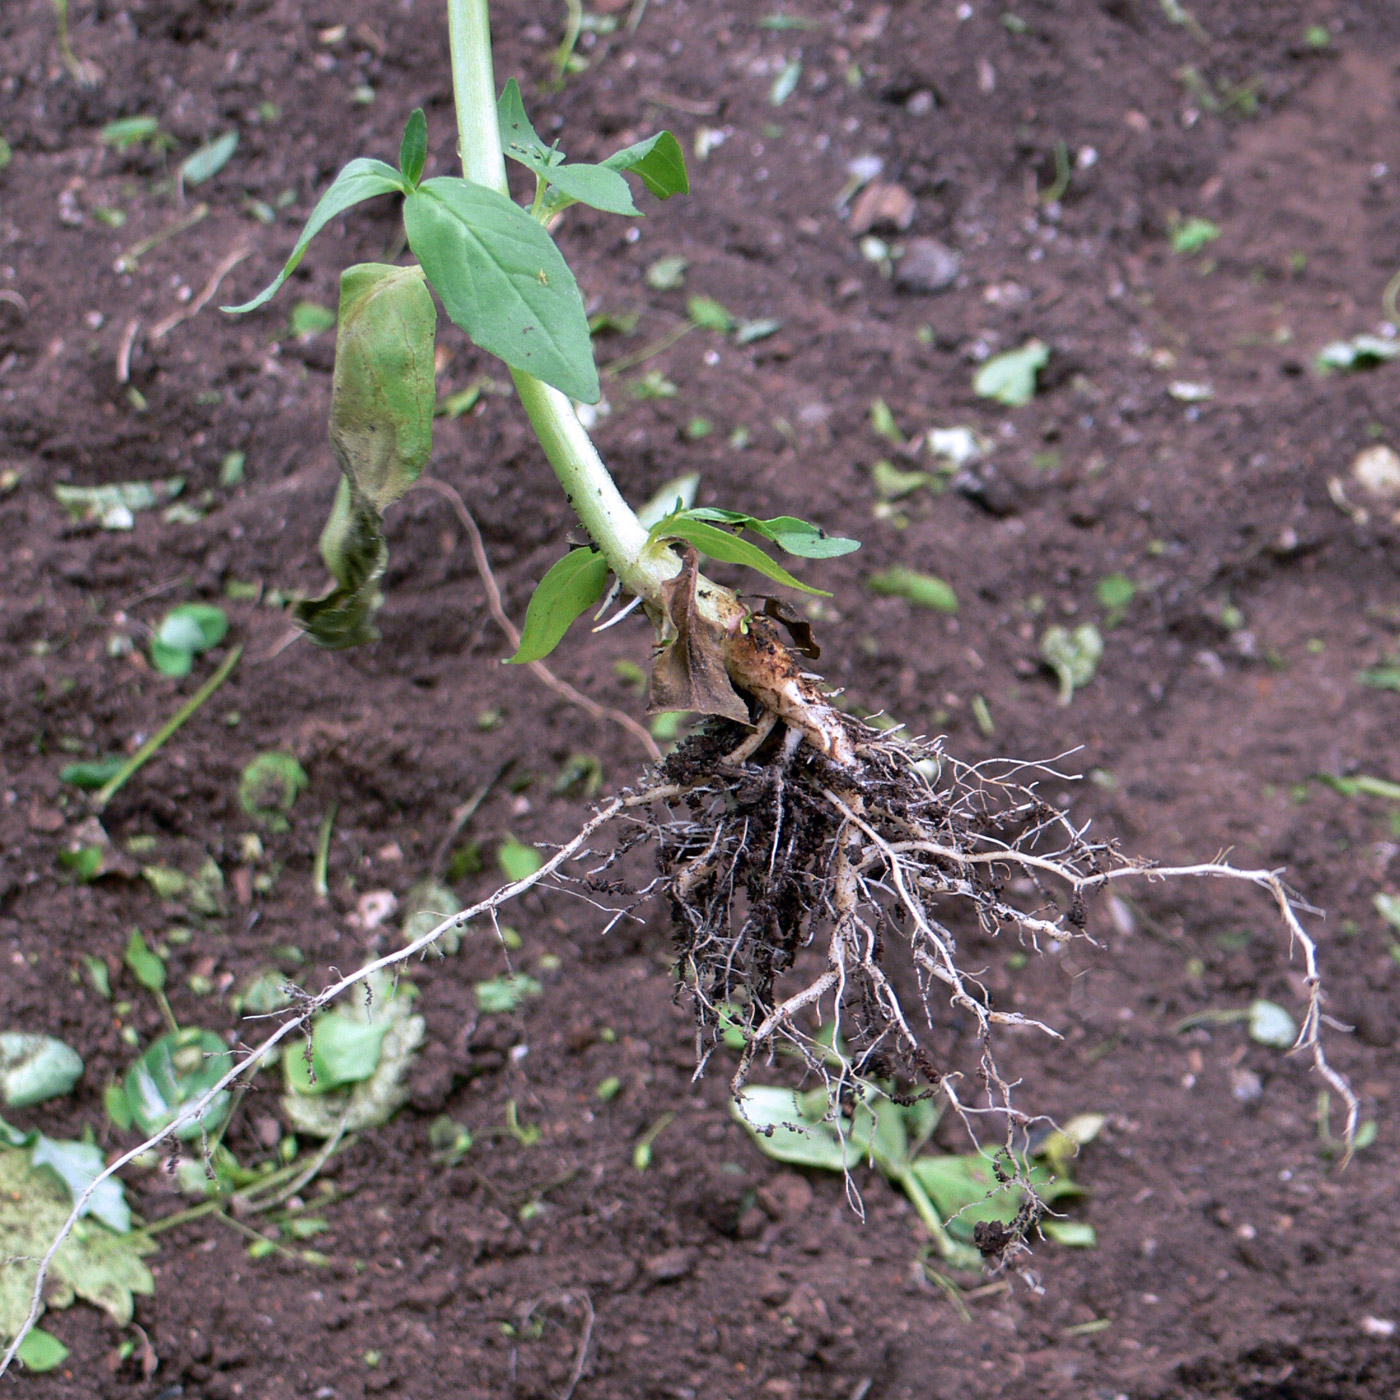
(206, 294)
(493, 601)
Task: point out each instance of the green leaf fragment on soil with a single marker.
(41, 1351)
(1270, 1024)
(92, 773)
(1010, 378)
(144, 965)
(268, 789)
(517, 860)
(926, 590)
(185, 632)
(1073, 656)
(79, 1164)
(503, 281)
(176, 1070)
(667, 274)
(34, 1068)
(114, 507)
(367, 1103)
(345, 1049)
(709, 314)
(209, 159)
(502, 994)
(572, 586)
(93, 1263)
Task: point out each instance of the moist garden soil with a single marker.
(1182, 436)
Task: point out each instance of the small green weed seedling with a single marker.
(971, 1204)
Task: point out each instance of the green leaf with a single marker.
(425, 906)
(36, 1067)
(310, 318)
(370, 1102)
(570, 588)
(1072, 1234)
(503, 281)
(185, 632)
(517, 860)
(958, 1186)
(709, 315)
(413, 149)
(1073, 656)
(345, 1049)
(93, 1263)
(793, 536)
(174, 1071)
(785, 84)
(79, 1164)
(658, 161)
(775, 1119)
(1009, 378)
(209, 159)
(926, 590)
(667, 274)
(1115, 592)
(1270, 1024)
(593, 185)
(41, 1351)
(383, 398)
(1360, 352)
(1191, 235)
(92, 773)
(360, 180)
(269, 787)
(126, 132)
(113, 507)
(143, 964)
(502, 994)
(729, 548)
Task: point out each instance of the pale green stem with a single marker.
(586, 481)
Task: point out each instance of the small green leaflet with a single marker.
(34, 1068)
(594, 185)
(41, 1351)
(503, 281)
(716, 543)
(144, 965)
(1009, 378)
(791, 535)
(361, 179)
(208, 160)
(570, 588)
(413, 149)
(657, 162)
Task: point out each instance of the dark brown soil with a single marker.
(1232, 1259)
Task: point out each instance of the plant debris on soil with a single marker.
(514, 1230)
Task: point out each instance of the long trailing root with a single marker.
(868, 849)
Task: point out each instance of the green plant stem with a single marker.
(586, 481)
(152, 745)
(958, 1255)
(320, 870)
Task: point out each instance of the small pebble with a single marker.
(927, 266)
